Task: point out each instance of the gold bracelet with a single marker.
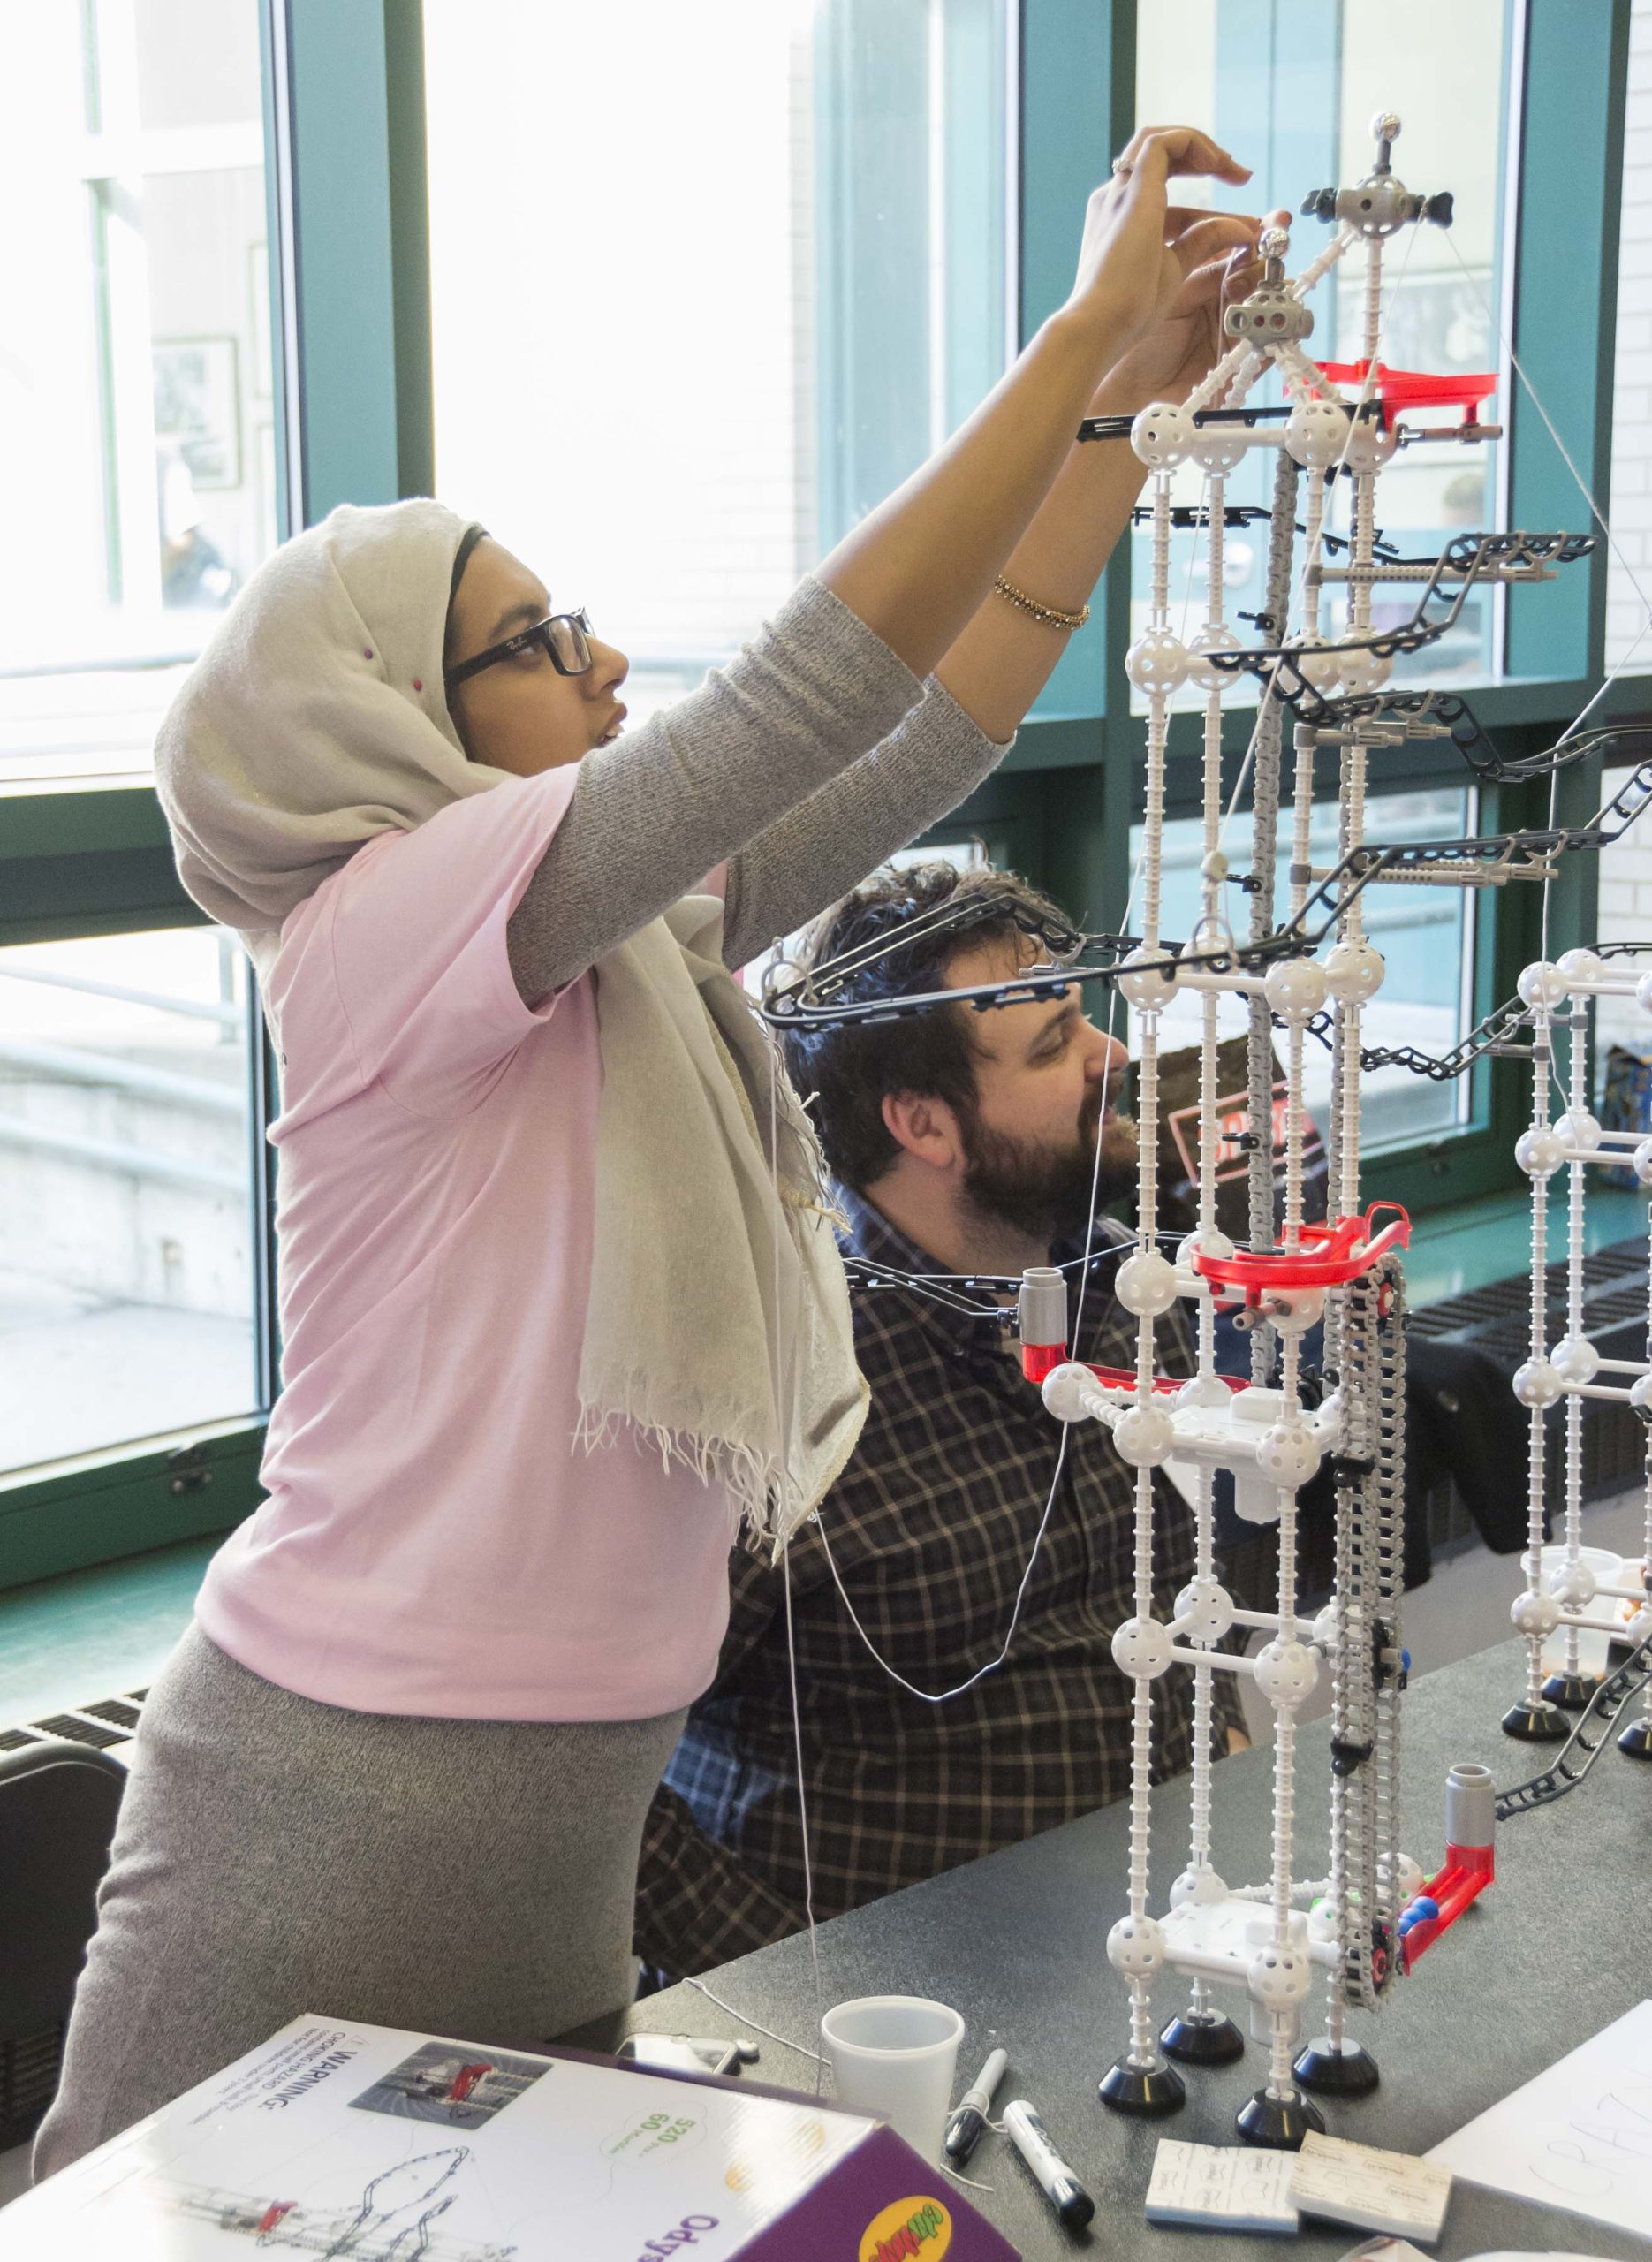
(1051, 616)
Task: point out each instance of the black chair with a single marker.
(58, 1806)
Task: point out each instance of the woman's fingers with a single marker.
(1162, 152)
(1204, 286)
(1197, 238)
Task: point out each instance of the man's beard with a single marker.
(1043, 1193)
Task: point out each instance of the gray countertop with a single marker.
(1560, 1947)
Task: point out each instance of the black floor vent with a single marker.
(111, 1720)
(82, 1731)
(1497, 1320)
(30, 2067)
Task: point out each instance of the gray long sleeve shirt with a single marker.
(766, 768)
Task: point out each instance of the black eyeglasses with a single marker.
(564, 637)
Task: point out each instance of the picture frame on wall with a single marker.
(197, 408)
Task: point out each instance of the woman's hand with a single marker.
(1216, 252)
(1131, 275)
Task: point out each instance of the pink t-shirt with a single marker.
(433, 1542)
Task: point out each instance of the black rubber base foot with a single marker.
(1138, 2089)
(1350, 2071)
(1569, 1689)
(1536, 1723)
(1279, 2123)
(1203, 2039)
(1636, 1741)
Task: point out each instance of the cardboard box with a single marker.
(336, 2138)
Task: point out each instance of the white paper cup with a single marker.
(895, 2055)
(1609, 1572)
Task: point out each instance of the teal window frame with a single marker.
(349, 291)
(344, 130)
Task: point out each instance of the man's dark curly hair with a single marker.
(845, 1073)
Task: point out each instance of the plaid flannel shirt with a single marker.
(929, 1528)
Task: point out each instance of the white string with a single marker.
(767, 2032)
(1599, 517)
(945, 1696)
(782, 1372)
(1507, 344)
(1201, 524)
(1607, 681)
(768, 2035)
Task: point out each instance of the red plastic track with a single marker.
(1039, 1360)
(1398, 389)
(1468, 1871)
(1330, 1254)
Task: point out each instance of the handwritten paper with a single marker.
(1226, 2187)
(1579, 2136)
(1370, 2190)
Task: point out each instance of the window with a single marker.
(1425, 934)
(706, 288)
(126, 1271)
(1292, 92)
(137, 453)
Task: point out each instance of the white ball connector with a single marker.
(1288, 1454)
(1354, 972)
(1146, 1283)
(1148, 980)
(1206, 1607)
(1315, 432)
(1157, 661)
(1287, 1674)
(1142, 1648)
(1579, 1130)
(1362, 668)
(1542, 984)
(1199, 668)
(1536, 1615)
(1145, 1436)
(1198, 1888)
(1571, 1585)
(1536, 1384)
(1295, 988)
(1575, 1359)
(1163, 435)
(1540, 1153)
(1068, 1392)
(1280, 1979)
(1135, 1948)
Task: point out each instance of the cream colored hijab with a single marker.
(718, 1326)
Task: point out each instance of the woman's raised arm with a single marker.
(917, 568)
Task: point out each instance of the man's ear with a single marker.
(924, 1128)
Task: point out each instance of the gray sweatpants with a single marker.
(274, 1856)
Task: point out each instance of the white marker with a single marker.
(1055, 2180)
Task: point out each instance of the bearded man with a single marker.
(950, 1610)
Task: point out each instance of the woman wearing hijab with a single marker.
(560, 1303)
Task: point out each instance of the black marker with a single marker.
(963, 2130)
(1055, 2180)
